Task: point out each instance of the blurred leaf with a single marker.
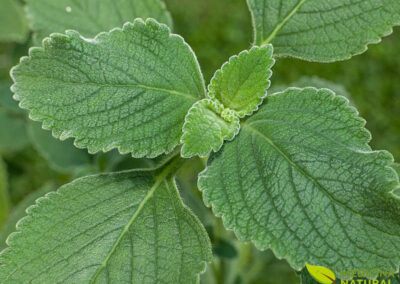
(4, 198)
(63, 156)
(316, 82)
(224, 249)
(90, 17)
(13, 23)
(18, 212)
(13, 135)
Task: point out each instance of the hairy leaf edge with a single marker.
(65, 134)
(60, 190)
(251, 239)
(234, 58)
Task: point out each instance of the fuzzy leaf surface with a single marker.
(128, 89)
(205, 130)
(91, 16)
(128, 227)
(301, 179)
(323, 31)
(242, 82)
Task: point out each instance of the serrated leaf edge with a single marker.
(251, 239)
(65, 134)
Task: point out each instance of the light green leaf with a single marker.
(323, 31)
(128, 227)
(19, 211)
(129, 89)
(91, 16)
(61, 155)
(301, 179)
(4, 198)
(207, 125)
(13, 24)
(242, 82)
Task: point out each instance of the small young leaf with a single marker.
(90, 17)
(13, 23)
(242, 82)
(207, 125)
(61, 155)
(323, 31)
(129, 88)
(128, 227)
(298, 173)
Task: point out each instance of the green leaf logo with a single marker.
(321, 274)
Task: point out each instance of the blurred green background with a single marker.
(216, 30)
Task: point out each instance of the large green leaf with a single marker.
(128, 89)
(91, 16)
(322, 31)
(13, 24)
(242, 82)
(300, 178)
(4, 198)
(61, 155)
(128, 227)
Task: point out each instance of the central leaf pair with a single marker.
(236, 90)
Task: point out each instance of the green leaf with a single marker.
(207, 125)
(13, 24)
(323, 31)
(91, 16)
(242, 82)
(128, 89)
(61, 155)
(301, 179)
(4, 198)
(128, 227)
(13, 136)
(19, 211)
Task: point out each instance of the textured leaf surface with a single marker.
(205, 129)
(322, 31)
(242, 82)
(91, 16)
(13, 24)
(115, 228)
(61, 155)
(128, 89)
(300, 178)
(18, 212)
(4, 198)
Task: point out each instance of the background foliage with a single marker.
(215, 30)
